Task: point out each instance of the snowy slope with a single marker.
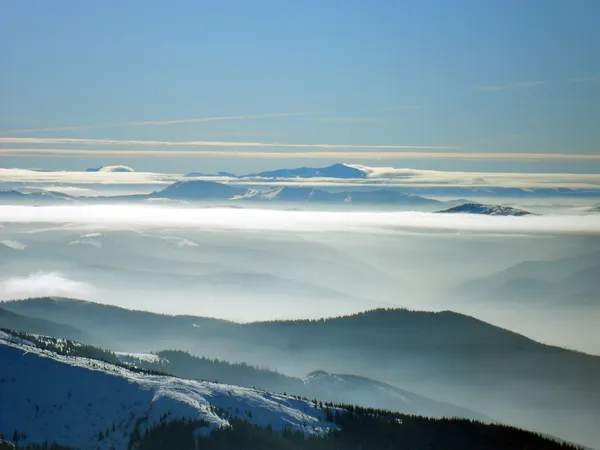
(71, 400)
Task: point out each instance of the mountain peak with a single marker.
(337, 170)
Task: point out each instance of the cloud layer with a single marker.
(43, 284)
(377, 176)
(330, 155)
(150, 217)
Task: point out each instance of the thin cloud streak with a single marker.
(347, 155)
(145, 143)
(518, 85)
(348, 119)
(584, 80)
(157, 122)
(148, 217)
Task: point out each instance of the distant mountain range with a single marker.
(212, 191)
(447, 356)
(312, 195)
(490, 210)
(202, 191)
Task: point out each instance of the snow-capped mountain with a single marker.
(312, 195)
(290, 194)
(333, 171)
(89, 404)
(490, 210)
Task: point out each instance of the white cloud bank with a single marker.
(151, 217)
(379, 176)
(43, 284)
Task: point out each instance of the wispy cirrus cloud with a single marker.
(157, 122)
(348, 119)
(585, 80)
(146, 143)
(510, 86)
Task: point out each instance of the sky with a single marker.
(466, 77)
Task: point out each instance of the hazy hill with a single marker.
(560, 280)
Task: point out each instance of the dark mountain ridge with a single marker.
(490, 210)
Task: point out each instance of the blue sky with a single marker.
(479, 76)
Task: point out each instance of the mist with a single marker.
(255, 265)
